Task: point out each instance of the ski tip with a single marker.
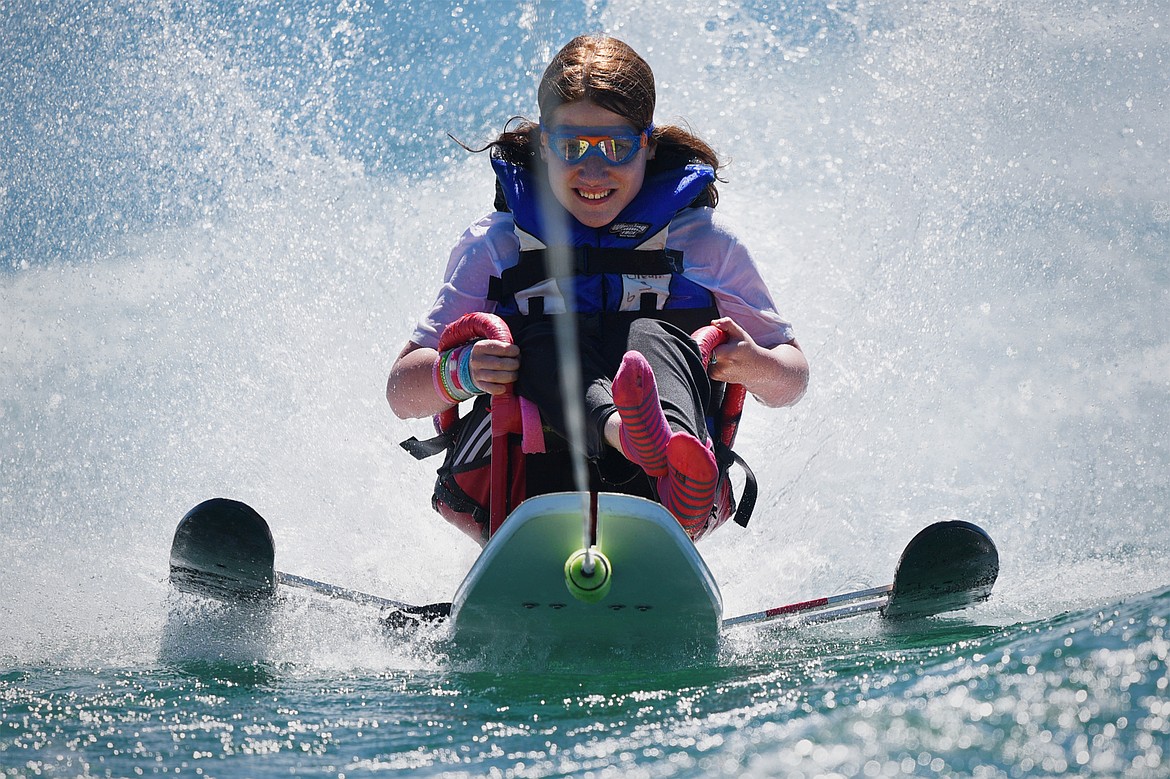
(223, 548)
(947, 566)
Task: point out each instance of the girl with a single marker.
(633, 207)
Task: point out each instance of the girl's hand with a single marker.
(732, 360)
(495, 365)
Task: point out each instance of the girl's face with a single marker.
(592, 189)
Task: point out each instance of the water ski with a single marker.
(659, 589)
(946, 567)
(224, 549)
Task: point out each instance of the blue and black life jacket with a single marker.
(621, 272)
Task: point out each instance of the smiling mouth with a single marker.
(594, 196)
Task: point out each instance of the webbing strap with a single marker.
(587, 260)
(429, 447)
(751, 491)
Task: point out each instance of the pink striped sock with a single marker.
(688, 489)
(645, 431)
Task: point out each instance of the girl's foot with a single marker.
(688, 488)
(645, 432)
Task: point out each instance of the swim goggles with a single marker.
(614, 149)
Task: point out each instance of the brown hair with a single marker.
(607, 72)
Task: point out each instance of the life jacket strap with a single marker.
(532, 267)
